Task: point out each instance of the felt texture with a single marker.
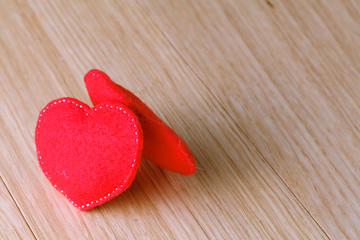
(161, 144)
(89, 154)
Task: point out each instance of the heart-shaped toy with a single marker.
(89, 154)
(161, 144)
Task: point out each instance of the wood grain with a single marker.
(257, 90)
(13, 225)
(288, 74)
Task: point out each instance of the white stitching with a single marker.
(117, 189)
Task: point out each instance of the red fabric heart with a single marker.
(161, 144)
(89, 154)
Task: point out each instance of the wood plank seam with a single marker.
(176, 49)
(17, 206)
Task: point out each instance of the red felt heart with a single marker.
(89, 154)
(161, 144)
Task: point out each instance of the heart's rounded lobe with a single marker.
(89, 154)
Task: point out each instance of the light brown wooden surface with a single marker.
(265, 93)
(13, 225)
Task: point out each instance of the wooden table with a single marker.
(266, 94)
